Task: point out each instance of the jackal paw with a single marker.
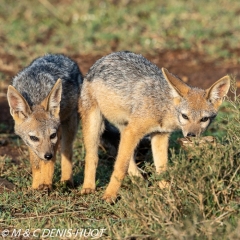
(87, 191)
(109, 198)
(135, 174)
(45, 187)
(163, 184)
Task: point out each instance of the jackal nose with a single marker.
(190, 134)
(48, 156)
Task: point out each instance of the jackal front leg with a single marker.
(42, 172)
(130, 137)
(68, 132)
(159, 143)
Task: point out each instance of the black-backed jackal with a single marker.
(43, 101)
(139, 99)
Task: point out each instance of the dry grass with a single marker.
(203, 200)
(201, 203)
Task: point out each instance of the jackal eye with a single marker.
(34, 139)
(185, 116)
(52, 136)
(204, 119)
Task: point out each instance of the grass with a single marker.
(202, 202)
(72, 27)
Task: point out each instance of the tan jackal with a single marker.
(139, 99)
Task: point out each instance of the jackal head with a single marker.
(196, 108)
(37, 125)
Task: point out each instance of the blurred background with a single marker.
(88, 27)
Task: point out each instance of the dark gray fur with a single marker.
(124, 65)
(126, 68)
(131, 75)
(36, 81)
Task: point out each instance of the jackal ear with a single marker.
(179, 88)
(218, 90)
(52, 102)
(19, 107)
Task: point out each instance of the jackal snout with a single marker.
(191, 134)
(195, 128)
(48, 156)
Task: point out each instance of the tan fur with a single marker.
(181, 88)
(159, 142)
(42, 172)
(133, 170)
(129, 139)
(17, 116)
(138, 115)
(53, 97)
(42, 120)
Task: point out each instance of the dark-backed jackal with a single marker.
(43, 101)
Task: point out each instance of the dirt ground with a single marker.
(193, 68)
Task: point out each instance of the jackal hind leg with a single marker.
(68, 131)
(92, 127)
(130, 137)
(42, 171)
(159, 144)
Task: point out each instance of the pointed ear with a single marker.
(19, 107)
(179, 87)
(218, 90)
(52, 102)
